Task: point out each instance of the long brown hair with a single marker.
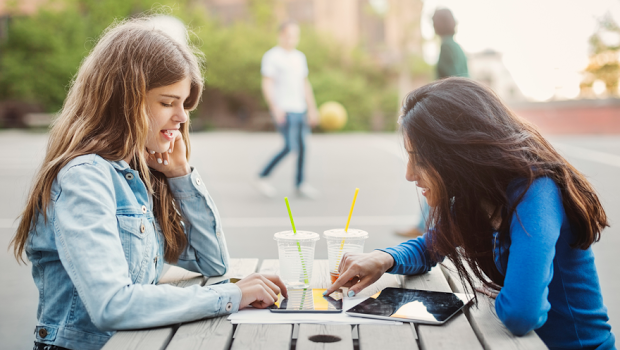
(471, 147)
(105, 113)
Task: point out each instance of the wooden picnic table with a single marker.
(475, 328)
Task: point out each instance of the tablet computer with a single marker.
(308, 300)
(420, 306)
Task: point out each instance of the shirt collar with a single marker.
(120, 165)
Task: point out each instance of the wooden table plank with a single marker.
(178, 276)
(237, 268)
(212, 333)
(156, 339)
(374, 336)
(259, 337)
(318, 336)
(456, 333)
(245, 333)
(483, 319)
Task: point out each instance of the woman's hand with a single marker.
(172, 163)
(358, 271)
(260, 290)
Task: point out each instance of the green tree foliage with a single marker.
(43, 53)
(604, 64)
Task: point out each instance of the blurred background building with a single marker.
(388, 29)
(365, 54)
(488, 67)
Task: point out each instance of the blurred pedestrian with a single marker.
(452, 62)
(289, 95)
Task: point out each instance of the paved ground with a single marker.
(336, 165)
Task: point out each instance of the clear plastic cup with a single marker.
(296, 252)
(353, 243)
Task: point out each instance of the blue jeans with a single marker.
(294, 131)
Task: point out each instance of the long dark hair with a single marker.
(472, 147)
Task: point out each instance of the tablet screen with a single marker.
(420, 306)
(308, 300)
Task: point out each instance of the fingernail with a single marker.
(170, 150)
(165, 162)
(152, 152)
(159, 160)
(325, 293)
(351, 294)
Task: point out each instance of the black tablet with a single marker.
(420, 306)
(308, 300)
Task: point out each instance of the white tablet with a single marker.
(419, 306)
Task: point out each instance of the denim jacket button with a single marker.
(198, 181)
(229, 306)
(218, 234)
(142, 228)
(144, 209)
(129, 176)
(43, 331)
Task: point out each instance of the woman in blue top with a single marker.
(116, 197)
(505, 205)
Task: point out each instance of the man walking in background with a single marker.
(452, 62)
(290, 99)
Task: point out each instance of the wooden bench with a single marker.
(476, 328)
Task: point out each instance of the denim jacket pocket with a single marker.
(134, 234)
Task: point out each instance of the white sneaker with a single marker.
(307, 191)
(265, 187)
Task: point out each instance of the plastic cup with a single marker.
(296, 252)
(353, 243)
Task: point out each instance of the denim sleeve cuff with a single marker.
(230, 297)
(186, 186)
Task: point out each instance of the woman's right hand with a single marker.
(260, 290)
(358, 271)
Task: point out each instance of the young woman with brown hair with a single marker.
(504, 206)
(116, 197)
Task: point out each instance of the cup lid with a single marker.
(340, 233)
(300, 236)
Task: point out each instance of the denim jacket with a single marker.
(98, 257)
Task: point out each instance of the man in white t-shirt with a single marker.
(291, 103)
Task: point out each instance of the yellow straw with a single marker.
(346, 228)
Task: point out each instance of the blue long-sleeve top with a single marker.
(549, 286)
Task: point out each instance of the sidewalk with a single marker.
(337, 164)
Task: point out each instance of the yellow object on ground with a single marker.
(332, 116)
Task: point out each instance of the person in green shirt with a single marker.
(452, 60)
(452, 63)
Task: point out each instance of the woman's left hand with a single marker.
(172, 163)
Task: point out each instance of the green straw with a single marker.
(290, 215)
(303, 264)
